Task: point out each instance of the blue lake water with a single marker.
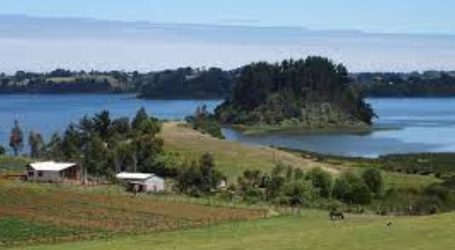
(52, 113)
(421, 124)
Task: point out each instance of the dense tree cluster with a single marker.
(184, 83)
(291, 186)
(199, 178)
(350, 188)
(310, 93)
(103, 145)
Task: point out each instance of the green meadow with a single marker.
(310, 230)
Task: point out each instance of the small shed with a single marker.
(142, 182)
(51, 171)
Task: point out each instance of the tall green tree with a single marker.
(102, 124)
(276, 182)
(199, 178)
(72, 143)
(16, 141)
(125, 158)
(36, 143)
(54, 148)
(211, 177)
(140, 117)
(95, 155)
(147, 149)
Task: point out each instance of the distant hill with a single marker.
(426, 84)
(310, 93)
(215, 83)
(185, 83)
(62, 82)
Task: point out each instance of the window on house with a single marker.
(40, 174)
(31, 173)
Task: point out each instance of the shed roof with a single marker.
(51, 166)
(133, 176)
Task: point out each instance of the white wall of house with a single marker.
(154, 184)
(44, 176)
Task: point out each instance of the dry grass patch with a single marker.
(232, 157)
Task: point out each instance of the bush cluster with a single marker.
(293, 187)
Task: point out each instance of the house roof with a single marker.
(51, 166)
(133, 176)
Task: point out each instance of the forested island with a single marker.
(310, 93)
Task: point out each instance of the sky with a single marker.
(396, 35)
(378, 16)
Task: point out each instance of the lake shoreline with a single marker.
(402, 126)
(359, 130)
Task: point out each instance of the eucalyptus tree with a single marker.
(16, 141)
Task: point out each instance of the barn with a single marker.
(142, 182)
(51, 171)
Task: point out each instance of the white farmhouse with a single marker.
(51, 171)
(142, 182)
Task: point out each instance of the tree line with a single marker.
(102, 145)
(427, 84)
(184, 83)
(181, 83)
(188, 82)
(290, 186)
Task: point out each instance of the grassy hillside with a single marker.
(312, 230)
(110, 219)
(232, 157)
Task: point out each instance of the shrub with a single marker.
(438, 191)
(296, 193)
(322, 181)
(253, 195)
(373, 179)
(199, 177)
(350, 188)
